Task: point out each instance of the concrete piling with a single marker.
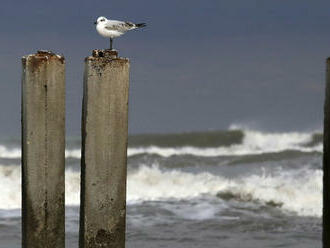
(104, 151)
(43, 150)
(326, 161)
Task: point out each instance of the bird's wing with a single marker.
(119, 25)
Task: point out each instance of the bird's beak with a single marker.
(95, 23)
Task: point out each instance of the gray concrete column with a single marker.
(43, 148)
(326, 161)
(104, 151)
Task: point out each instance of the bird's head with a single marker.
(100, 20)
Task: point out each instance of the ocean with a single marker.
(229, 189)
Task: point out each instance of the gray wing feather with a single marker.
(119, 26)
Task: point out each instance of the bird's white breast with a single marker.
(106, 32)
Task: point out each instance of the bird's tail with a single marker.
(140, 25)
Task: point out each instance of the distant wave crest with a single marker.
(254, 142)
(223, 143)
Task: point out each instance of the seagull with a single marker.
(112, 28)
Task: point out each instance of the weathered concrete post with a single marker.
(326, 162)
(104, 151)
(43, 144)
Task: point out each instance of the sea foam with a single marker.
(299, 191)
(253, 143)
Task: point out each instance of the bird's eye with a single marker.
(102, 20)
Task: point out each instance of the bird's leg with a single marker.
(110, 43)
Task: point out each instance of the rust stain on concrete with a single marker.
(36, 60)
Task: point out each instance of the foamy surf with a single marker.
(298, 191)
(253, 143)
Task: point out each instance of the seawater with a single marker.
(232, 188)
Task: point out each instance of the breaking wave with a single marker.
(209, 144)
(298, 191)
(252, 143)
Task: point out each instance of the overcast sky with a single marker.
(199, 65)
